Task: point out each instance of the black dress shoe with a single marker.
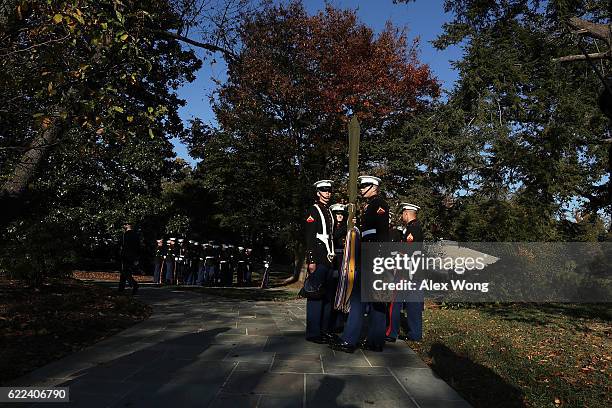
(390, 339)
(408, 338)
(344, 346)
(316, 339)
(373, 347)
(330, 338)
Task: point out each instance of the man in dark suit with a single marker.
(130, 252)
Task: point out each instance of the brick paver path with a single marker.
(202, 351)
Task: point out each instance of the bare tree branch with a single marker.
(594, 30)
(36, 46)
(206, 46)
(582, 57)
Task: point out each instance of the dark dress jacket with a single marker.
(319, 235)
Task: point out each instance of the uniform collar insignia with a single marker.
(310, 219)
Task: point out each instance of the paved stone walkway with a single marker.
(201, 351)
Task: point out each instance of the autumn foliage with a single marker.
(314, 71)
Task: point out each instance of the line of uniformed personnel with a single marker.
(188, 262)
(326, 229)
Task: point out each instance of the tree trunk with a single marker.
(299, 262)
(301, 269)
(610, 187)
(25, 169)
(299, 266)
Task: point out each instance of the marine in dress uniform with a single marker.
(224, 267)
(232, 261)
(412, 235)
(374, 227)
(188, 260)
(194, 262)
(203, 273)
(202, 278)
(336, 318)
(240, 267)
(158, 266)
(248, 256)
(395, 235)
(267, 263)
(170, 260)
(319, 258)
(182, 253)
(340, 230)
(211, 263)
(216, 251)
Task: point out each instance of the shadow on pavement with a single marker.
(181, 371)
(326, 395)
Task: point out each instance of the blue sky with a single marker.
(423, 18)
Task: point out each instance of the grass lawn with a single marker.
(550, 355)
(43, 325)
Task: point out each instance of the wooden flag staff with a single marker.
(349, 268)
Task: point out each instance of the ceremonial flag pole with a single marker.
(354, 130)
(348, 270)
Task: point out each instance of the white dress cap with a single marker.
(408, 206)
(337, 207)
(369, 180)
(323, 183)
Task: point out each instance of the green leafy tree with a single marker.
(531, 125)
(89, 106)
